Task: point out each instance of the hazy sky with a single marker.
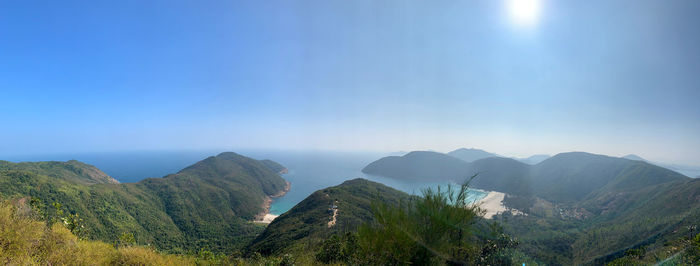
(611, 77)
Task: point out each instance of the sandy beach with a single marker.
(265, 216)
(492, 203)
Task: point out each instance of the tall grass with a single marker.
(26, 241)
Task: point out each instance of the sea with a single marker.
(309, 171)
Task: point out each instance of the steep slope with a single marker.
(73, 171)
(470, 155)
(572, 176)
(616, 222)
(308, 222)
(643, 217)
(207, 205)
(420, 165)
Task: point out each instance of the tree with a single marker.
(437, 228)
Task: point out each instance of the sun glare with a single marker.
(524, 12)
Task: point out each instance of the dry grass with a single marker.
(25, 241)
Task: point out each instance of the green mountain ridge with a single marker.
(307, 224)
(206, 205)
(565, 177)
(582, 207)
(73, 171)
(419, 165)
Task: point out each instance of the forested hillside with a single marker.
(73, 171)
(580, 207)
(307, 224)
(207, 205)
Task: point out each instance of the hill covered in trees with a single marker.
(580, 207)
(73, 171)
(207, 205)
(315, 218)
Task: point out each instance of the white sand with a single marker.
(492, 204)
(267, 218)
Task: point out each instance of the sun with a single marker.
(524, 12)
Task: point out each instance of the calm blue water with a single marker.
(312, 171)
(308, 170)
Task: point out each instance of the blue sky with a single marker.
(611, 77)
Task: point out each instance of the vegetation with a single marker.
(73, 171)
(305, 226)
(27, 240)
(630, 212)
(649, 218)
(682, 251)
(583, 208)
(207, 205)
(439, 228)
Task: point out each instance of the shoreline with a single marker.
(493, 205)
(265, 217)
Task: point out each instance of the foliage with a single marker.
(72, 171)
(339, 249)
(582, 208)
(305, 226)
(437, 228)
(207, 205)
(126, 240)
(24, 240)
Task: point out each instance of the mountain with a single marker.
(534, 159)
(608, 223)
(566, 177)
(73, 171)
(573, 176)
(470, 155)
(419, 165)
(502, 174)
(633, 157)
(206, 205)
(308, 223)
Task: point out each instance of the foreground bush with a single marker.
(438, 228)
(26, 241)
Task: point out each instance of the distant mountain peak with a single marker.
(634, 157)
(471, 154)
